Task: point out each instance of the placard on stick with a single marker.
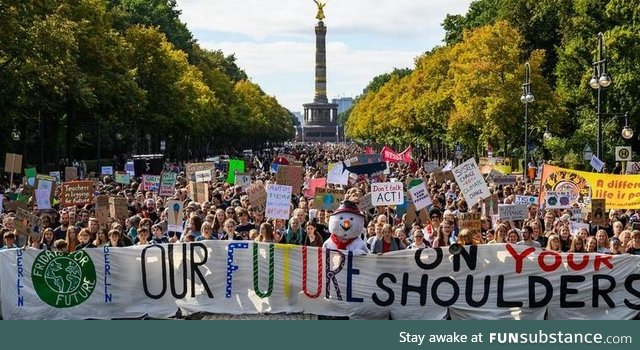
(118, 208)
(102, 209)
(328, 198)
(257, 196)
(13, 163)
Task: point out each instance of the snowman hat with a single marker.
(348, 207)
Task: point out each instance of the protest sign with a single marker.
(106, 170)
(526, 200)
(199, 191)
(243, 180)
(471, 182)
(70, 173)
(430, 166)
(175, 216)
(490, 205)
(470, 221)
(336, 175)
(576, 214)
(328, 198)
(235, 166)
(30, 175)
(167, 183)
(511, 212)
(48, 184)
(598, 212)
(203, 176)
(365, 203)
(151, 183)
(147, 164)
(387, 193)
(129, 168)
(123, 178)
(420, 196)
(633, 168)
(102, 209)
(13, 163)
(56, 175)
(192, 168)
(26, 223)
(576, 226)
(257, 196)
(118, 208)
(312, 184)
(77, 193)
(278, 201)
(291, 175)
(43, 200)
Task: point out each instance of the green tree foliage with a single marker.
(75, 67)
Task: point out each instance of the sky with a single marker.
(274, 41)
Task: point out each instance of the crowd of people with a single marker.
(229, 215)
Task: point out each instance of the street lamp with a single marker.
(15, 134)
(601, 79)
(526, 98)
(627, 131)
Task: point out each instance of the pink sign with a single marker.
(313, 184)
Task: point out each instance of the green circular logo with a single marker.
(63, 280)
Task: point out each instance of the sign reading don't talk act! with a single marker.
(387, 193)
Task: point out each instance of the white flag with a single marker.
(596, 163)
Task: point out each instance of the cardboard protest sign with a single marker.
(106, 170)
(243, 180)
(167, 183)
(291, 175)
(336, 176)
(203, 176)
(470, 221)
(102, 209)
(509, 212)
(70, 173)
(13, 163)
(438, 175)
(199, 191)
(77, 193)
(235, 166)
(151, 183)
(387, 193)
(471, 182)
(192, 168)
(598, 212)
(576, 214)
(312, 184)
(328, 198)
(412, 214)
(257, 196)
(123, 178)
(558, 200)
(118, 208)
(26, 223)
(278, 201)
(365, 203)
(490, 205)
(430, 166)
(14, 206)
(48, 184)
(420, 196)
(175, 218)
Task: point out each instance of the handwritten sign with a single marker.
(102, 209)
(47, 184)
(526, 200)
(118, 208)
(387, 193)
(291, 175)
(199, 191)
(26, 223)
(335, 174)
(508, 212)
(70, 173)
(203, 175)
(365, 203)
(243, 180)
(191, 168)
(77, 193)
(278, 201)
(470, 221)
(151, 183)
(471, 182)
(257, 196)
(328, 198)
(167, 183)
(420, 196)
(106, 170)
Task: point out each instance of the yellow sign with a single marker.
(619, 191)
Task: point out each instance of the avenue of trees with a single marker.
(125, 75)
(468, 90)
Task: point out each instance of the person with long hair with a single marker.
(603, 242)
(443, 234)
(218, 224)
(313, 238)
(265, 233)
(84, 237)
(577, 245)
(553, 243)
(500, 234)
(48, 239)
(294, 234)
(591, 245)
(71, 239)
(102, 237)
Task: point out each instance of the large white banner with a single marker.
(483, 282)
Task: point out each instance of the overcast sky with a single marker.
(274, 41)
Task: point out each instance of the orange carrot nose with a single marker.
(346, 224)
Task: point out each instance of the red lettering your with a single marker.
(550, 261)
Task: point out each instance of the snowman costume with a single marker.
(346, 226)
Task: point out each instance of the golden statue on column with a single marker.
(320, 14)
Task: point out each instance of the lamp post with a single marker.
(600, 80)
(526, 98)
